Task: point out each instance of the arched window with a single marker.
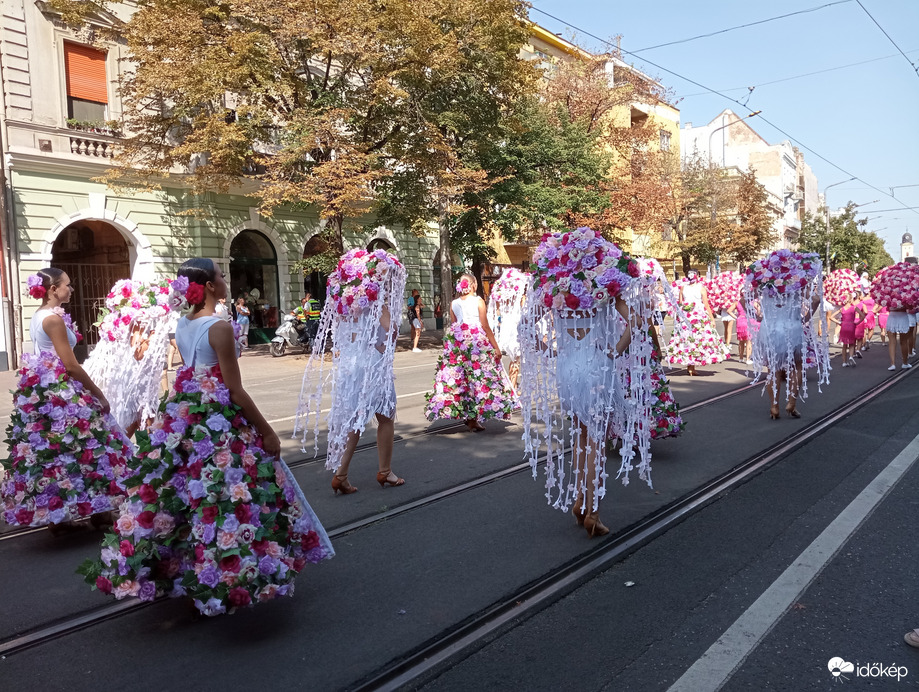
(254, 275)
(380, 244)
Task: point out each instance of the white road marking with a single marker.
(723, 658)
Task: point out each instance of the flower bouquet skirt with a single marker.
(67, 458)
(208, 514)
(696, 342)
(470, 383)
(665, 411)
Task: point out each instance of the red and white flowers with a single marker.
(897, 287)
(358, 278)
(839, 285)
(783, 271)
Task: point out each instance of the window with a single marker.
(87, 89)
(665, 140)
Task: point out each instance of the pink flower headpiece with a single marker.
(724, 290)
(464, 286)
(839, 285)
(580, 270)
(131, 302)
(897, 287)
(36, 288)
(510, 286)
(358, 280)
(783, 271)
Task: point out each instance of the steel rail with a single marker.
(455, 644)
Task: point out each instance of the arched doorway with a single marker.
(314, 282)
(380, 244)
(95, 255)
(254, 275)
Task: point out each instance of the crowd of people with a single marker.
(200, 504)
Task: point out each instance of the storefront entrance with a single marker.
(254, 276)
(95, 255)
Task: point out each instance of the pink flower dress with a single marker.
(209, 514)
(470, 382)
(67, 458)
(695, 340)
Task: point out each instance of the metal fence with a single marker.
(91, 283)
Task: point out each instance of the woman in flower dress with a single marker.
(695, 340)
(470, 384)
(68, 458)
(784, 290)
(504, 306)
(362, 315)
(213, 512)
(585, 369)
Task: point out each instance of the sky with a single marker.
(862, 119)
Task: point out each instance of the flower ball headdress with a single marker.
(579, 270)
(724, 290)
(783, 271)
(511, 285)
(897, 287)
(839, 285)
(464, 286)
(36, 288)
(358, 278)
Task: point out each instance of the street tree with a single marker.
(851, 245)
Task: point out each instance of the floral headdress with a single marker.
(132, 302)
(839, 284)
(783, 271)
(36, 286)
(897, 287)
(357, 279)
(511, 285)
(464, 286)
(724, 290)
(579, 270)
(505, 306)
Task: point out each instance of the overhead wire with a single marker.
(878, 25)
(741, 26)
(724, 96)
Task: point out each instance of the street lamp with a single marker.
(826, 203)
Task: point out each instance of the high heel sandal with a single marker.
(594, 526)
(383, 479)
(338, 485)
(774, 412)
(579, 512)
(792, 412)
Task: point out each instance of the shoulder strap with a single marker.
(205, 330)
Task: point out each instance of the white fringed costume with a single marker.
(360, 375)
(131, 384)
(505, 305)
(787, 334)
(569, 371)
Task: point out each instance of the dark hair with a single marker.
(199, 270)
(50, 276)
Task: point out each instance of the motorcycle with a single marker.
(288, 336)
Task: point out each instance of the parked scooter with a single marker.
(287, 336)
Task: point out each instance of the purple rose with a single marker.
(218, 422)
(147, 591)
(196, 489)
(268, 565)
(158, 437)
(209, 576)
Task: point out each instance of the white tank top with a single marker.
(40, 339)
(192, 340)
(466, 311)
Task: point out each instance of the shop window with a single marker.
(254, 276)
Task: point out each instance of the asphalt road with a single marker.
(400, 583)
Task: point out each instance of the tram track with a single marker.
(90, 618)
(450, 646)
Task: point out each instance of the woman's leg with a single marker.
(386, 429)
(904, 347)
(340, 480)
(728, 332)
(416, 334)
(892, 348)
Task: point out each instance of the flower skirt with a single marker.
(470, 383)
(209, 514)
(67, 458)
(697, 343)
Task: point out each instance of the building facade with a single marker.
(58, 132)
(730, 142)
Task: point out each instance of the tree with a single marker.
(320, 102)
(850, 245)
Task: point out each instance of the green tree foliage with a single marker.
(851, 245)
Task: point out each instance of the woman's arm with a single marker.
(708, 308)
(626, 337)
(57, 331)
(222, 341)
(483, 318)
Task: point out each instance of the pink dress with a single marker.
(847, 327)
(743, 330)
(867, 307)
(882, 318)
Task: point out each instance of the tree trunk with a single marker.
(478, 269)
(687, 261)
(446, 265)
(336, 237)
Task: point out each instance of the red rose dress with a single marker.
(209, 514)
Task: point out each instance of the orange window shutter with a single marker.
(85, 69)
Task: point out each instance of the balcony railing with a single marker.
(85, 146)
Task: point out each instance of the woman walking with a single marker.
(470, 383)
(848, 317)
(584, 355)
(787, 287)
(695, 341)
(242, 319)
(896, 289)
(68, 457)
(362, 314)
(214, 513)
(505, 304)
